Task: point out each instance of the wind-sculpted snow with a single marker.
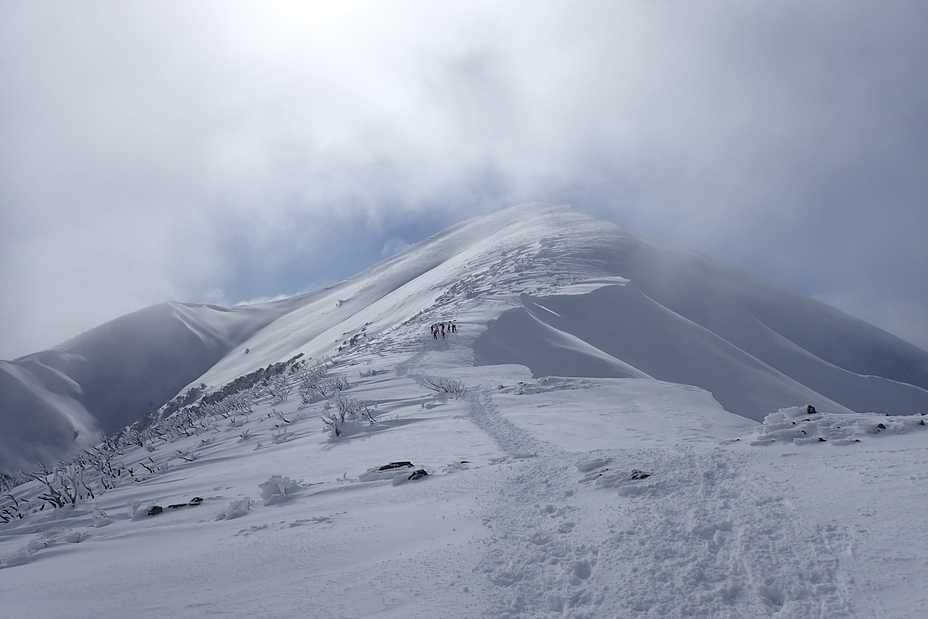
(618, 331)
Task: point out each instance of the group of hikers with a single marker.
(440, 328)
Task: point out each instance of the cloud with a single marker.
(164, 152)
(393, 246)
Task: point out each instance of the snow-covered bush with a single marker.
(10, 508)
(279, 388)
(315, 383)
(446, 387)
(323, 389)
(236, 509)
(186, 455)
(347, 415)
(278, 489)
(281, 437)
(63, 486)
(8, 482)
(100, 519)
(142, 509)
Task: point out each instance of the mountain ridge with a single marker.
(756, 347)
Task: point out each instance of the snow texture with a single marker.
(588, 462)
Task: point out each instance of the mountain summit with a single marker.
(537, 285)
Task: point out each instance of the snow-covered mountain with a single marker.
(540, 286)
(55, 402)
(571, 449)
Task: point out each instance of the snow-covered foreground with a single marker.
(548, 497)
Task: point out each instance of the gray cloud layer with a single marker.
(224, 152)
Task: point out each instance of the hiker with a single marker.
(454, 328)
(442, 330)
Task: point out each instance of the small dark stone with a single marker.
(921, 422)
(636, 474)
(418, 474)
(195, 501)
(396, 465)
(881, 426)
(154, 510)
(176, 506)
(821, 440)
(464, 462)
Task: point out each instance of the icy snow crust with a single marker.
(614, 493)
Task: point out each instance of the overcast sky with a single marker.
(225, 152)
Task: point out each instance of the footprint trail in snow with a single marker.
(647, 533)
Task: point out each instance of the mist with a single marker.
(227, 152)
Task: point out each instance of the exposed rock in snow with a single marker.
(803, 425)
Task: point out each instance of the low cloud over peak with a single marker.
(154, 153)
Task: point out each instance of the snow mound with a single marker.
(278, 489)
(236, 509)
(802, 425)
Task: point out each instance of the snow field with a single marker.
(532, 508)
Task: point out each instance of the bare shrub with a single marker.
(444, 386)
(348, 414)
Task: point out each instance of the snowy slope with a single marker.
(547, 497)
(56, 401)
(629, 306)
(540, 286)
(582, 461)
